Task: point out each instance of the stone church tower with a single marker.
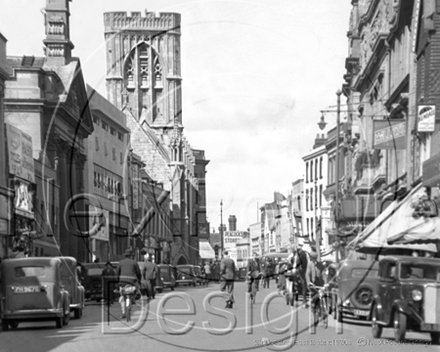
(144, 81)
(143, 68)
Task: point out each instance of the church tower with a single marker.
(143, 68)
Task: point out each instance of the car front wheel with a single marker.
(399, 326)
(375, 327)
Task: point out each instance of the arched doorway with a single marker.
(182, 260)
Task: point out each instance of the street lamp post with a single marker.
(321, 125)
(221, 228)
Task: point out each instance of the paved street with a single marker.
(168, 327)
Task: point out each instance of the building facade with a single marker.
(144, 81)
(46, 99)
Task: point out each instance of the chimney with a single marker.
(319, 141)
(232, 223)
(58, 47)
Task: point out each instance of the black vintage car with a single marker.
(407, 297)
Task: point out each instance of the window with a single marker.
(320, 195)
(121, 158)
(311, 198)
(120, 136)
(307, 172)
(307, 200)
(96, 143)
(112, 131)
(320, 167)
(316, 169)
(104, 125)
(114, 153)
(311, 170)
(316, 197)
(95, 120)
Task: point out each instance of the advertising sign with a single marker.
(21, 161)
(389, 134)
(96, 216)
(231, 238)
(426, 118)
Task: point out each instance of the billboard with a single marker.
(21, 161)
(426, 118)
(389, 134)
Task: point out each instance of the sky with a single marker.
(256, 75)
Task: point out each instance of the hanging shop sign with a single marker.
(23, 197)
(99, 223)
(389, 134)
(426, 118)
(21, 162)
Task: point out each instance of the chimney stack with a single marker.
(58, 47)
(232, 223)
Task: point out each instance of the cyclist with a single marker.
(128, 272)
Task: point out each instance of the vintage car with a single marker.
(72, 285)
(167, 278)
(32, 290)
(355, 286)
(407, 297)
(93, 282)
(198, 274)
(185, 274)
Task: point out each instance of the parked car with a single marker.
(356, 283)
(31, 290)
(185, 274)
(198, 274)
(407, 297)
(72, 285)
(166, 278)
(93, 280)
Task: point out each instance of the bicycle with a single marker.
(252, 286)
(128, 294)
(319, 304)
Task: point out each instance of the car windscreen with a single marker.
(184, 271)
(29, 271)
(363, 272)
(419, 271)
(94, 271)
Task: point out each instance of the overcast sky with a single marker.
(256, 74)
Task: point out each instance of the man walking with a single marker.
(149, 274)
(227, 272)
(207, 273)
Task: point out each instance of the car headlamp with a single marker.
(416, 295)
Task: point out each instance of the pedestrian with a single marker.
(142, 266)
(227, 272)
(281, 285)
(207, 273)
(300, 263)
(149, 274)
(253, 275)
(108, 279)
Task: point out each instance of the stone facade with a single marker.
(144, 81)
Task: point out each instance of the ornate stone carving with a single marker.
(55, 25)
(55, 50)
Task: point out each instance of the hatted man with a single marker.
(227, 272)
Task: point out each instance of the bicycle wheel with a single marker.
(324, 313)
(128, 308)
(316, 312)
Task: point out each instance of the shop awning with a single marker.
(205, 250)
(397, 218)
(425, 232)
